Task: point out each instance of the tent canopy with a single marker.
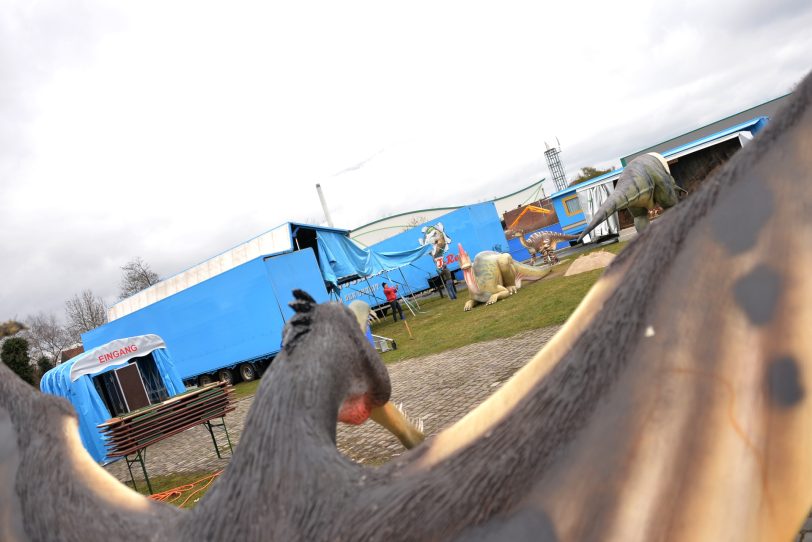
(113, 354)
(82, 393)
(340, 257)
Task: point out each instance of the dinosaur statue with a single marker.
(673, 405)
(542, 242)
(644, 184)
(494, 275)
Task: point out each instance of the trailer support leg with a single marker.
(140, 457)
(210, 426)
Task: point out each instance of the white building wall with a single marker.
(382, 229)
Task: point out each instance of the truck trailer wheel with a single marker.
(204, 380)
(225, 375)
(247, 372)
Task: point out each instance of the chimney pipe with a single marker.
(324, 206)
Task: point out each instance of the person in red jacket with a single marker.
(392, 297)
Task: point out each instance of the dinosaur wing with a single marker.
(704, 431)
(50, 488)
(676, 403)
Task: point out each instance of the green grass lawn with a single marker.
(245, 389)
(442, 324)
(172, 481)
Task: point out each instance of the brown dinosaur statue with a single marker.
(542, 242)
(674, 405)
(494, 275)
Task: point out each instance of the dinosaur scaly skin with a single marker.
(519, 234)
(541, 242)
(644, 184)
(493, 276)
(546, 241)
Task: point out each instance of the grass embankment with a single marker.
(442, 324)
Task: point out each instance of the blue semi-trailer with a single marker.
(227, 325)
(222, 319)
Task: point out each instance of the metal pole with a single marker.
(129, 468)
(324, 206)
(372, 291)
(405, 301)
(408, 286)
(142, 457)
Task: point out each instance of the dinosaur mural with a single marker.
(541, 242)
(494, 275)
(673, 405)
(645, 183)
(435, 235)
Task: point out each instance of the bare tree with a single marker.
(84, 312)
(137, 276)
(47, 336)
(414, 221)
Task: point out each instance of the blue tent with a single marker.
(340, 257)
(74, 380)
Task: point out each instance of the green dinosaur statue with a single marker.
(494, 275)
(542, 242)
(644, 184)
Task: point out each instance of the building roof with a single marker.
(753, 126)
(765, 109)
(593, 180)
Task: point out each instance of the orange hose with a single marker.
(171, 495)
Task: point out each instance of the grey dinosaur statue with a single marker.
(644, 184)
(541, 242)
(494, 275)
(673, 405)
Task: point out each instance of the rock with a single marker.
(588, 262)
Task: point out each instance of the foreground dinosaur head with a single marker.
(673, 405)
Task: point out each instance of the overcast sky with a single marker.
(175, 130)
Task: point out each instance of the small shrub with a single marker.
(44, 365)
(15, 355)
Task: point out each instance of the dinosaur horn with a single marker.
(388, 415)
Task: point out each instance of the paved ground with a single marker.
(440, 389)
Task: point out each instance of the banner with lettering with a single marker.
(117, 352)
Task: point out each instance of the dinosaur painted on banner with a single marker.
(541, 242)
(645, 183)
(675, 404)
(435, 236)
(495, 275)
